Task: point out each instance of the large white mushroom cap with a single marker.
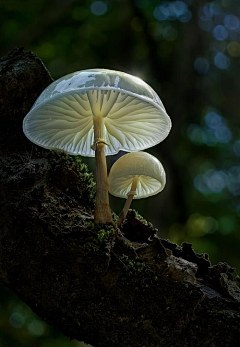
(62, 116)
(152, 178)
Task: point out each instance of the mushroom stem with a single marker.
(102, 208)
(128, 202)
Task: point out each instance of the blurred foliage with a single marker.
(20, 327)
(189, 52)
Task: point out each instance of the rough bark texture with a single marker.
(86, 279)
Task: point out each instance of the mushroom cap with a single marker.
(152, 178)
(62, 116)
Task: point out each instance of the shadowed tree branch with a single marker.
(86, 279)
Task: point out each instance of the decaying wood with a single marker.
(86, 279)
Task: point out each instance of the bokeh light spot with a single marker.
(233, 182)
(214, 7)
(169, 33)
(172, 11)
(168, 10)
(16, 320)
(213, 120)
(221, 61)
(205, 23)
(207, 11)
(36, 328)
(216, 181)
(209, 138)
(201, 65)
(234, 49)
(194, 132)
(231, 22)
(220, 33)
(198, 225)
(212, 182)
(98, 8)
(236, 148)
(201, 185)
(158, 13)
(223, 134)
(211, 225)
(186, 17)
(180, 8)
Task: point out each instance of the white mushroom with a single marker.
(96, 113)
(135, 176)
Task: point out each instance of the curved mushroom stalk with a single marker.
(102, 208)
(128, 202)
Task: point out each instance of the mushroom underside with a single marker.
(66, 122)
(147, 186)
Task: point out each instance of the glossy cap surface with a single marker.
(152, 178)
(62, 116)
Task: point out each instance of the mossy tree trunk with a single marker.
(85, 279)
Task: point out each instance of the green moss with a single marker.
(100, 237)
(89, 224)
(136, 271)
(72, 174)
(115, 216)
(127, 244)
(144, 221)
(91, 247)
(134, 266)
(105, 235)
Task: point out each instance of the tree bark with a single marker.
(86, 279)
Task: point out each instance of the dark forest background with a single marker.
(189, 52)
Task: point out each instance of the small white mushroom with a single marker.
(135, 175)
(96, 113)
